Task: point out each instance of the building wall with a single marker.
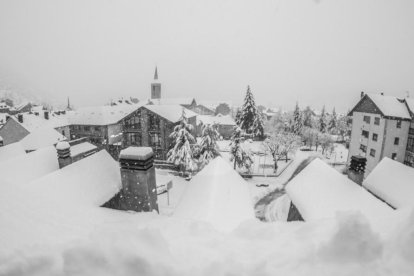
(65, 131)
(98, 135)
(384, 146)
(12, 132)
(409, 152)
(114, 133)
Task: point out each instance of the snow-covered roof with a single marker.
(92, 181)
(390, 106)
(101, 115)
(172, 101)
(393, 182)
(81, 148)
(37, 108)
(320, 191)
(410, 104)
(3, 105)
(219, 119)
(218, 195)
(11, 151)
(32, 122)
(41, 137)
(173, 113)
(27, 167)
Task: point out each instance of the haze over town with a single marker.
(314, 52)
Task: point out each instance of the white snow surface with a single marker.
(218, 195)
(173, 113)
(139, 153)
(11, 151)
(219, 119)
(27, 167)
(393, 182)
(319, 192)
(390, 106)
(81, 148)
(172, 101)
(41, 137)
(62, 145)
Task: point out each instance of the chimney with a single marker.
(362, 94)
(47, 115)
(63, 152)
(20, 118)
(139, 189)
(1, 141)
(382, 93)
(7, 117)
(357, 169)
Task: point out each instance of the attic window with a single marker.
(399, 124)
(367, 119)
(376, 121)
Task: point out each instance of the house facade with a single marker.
(380, 128)
(151, 125)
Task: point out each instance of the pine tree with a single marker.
(258, 126)
(238, 117)
(241, 156)
(208, 144)
(181, 154)
(248, 113)
(322, 121)
(297, 120)
(307, 117)
(333, 122)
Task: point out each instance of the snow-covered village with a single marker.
(207, 137)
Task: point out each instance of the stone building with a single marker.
(151, 125)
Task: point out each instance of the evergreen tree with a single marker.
(240, 155)
(208, 144)
(307, 117)
(333, 122)
(258, 126)
(248, 113)
(322, 121)
(181, 154)
(238, 117)
(297, 120)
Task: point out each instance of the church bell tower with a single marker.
(156, 87)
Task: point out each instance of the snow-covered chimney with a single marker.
(1, 141)
(63, 152)
(362, 94)
(139, 189)
(46, 115)
(20, 118)
(357, 169)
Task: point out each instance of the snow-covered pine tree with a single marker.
(181, 154)
(258, 125)
(240, 155)
(297, 120)
(322, 121)
(248, 113)
(238, 117)
(208, 144)
(307, 117)
(333, 123)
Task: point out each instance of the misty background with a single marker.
(314, 52)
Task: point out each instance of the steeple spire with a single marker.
(156, 73)
(68, 107)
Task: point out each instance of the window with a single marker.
(374, 137)
(399, 124)
(134, 122)
(97, 128)
(365, 133)
(86, 128)
(411, 131)
(155, 140)
(393, 156)
(133, 139)
(410, 144)
(153, 122)
(63, 132)
(372, 152)
(376, 121)
(363, 148)
(396, 141)
(367, 119)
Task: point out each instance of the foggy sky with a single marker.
(314, 52)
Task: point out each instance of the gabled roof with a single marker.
(219, 195)
(410, 105)
(41, 137)
(101, 115)
(319, 192)
(393, 182)
(172, 113)
(387, 106)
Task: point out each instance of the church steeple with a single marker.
(156, 73)
(156, 86)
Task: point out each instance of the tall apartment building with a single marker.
(382, 126)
